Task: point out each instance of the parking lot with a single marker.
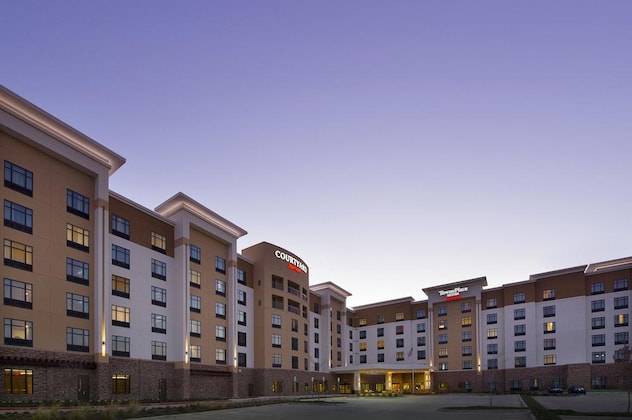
(591, 402)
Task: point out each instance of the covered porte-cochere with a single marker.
(379, 379)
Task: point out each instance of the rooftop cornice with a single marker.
(182, 202)
(330, 286)
(139, 207)
(48, 124)
(563, 271)
(610, 265)
(384, 303)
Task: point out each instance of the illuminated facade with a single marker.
(106, 299)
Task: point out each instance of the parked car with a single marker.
(577, 390)
(555, 390)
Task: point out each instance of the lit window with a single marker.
(599, 357)
(492, 303)
(399, 316)
(443, 365)
(77, 237)
(443, 352)
(362, 321)
(120, 226)
(196, 353)
(18, 217)
(18, 255)
(120, 316)
(443, 325)
(195, 328)
(492, 333)
(120, 384)
(195, 278)
(548, 294)
(549, 327)
(380, 344)
(621, 320)
(220, 356)
(363, 346)
(159, 242)
(18, 381)
(466, 321)
(399, 355)
(18, 178)
(550, 359)
(120, 286)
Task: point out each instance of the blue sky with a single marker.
(391, 145)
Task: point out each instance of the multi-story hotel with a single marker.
(106, 299)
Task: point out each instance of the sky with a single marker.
(391, 145)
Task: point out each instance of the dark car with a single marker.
(555, 390)
(577, 390)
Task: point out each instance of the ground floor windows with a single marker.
(120, 384)
(18, 381)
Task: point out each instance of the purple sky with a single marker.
(392, 145)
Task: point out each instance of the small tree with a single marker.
(623, 358)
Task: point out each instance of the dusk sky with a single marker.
(391, 145)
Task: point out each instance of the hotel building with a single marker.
(106, 299)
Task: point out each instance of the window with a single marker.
(77, 237)
(443, 352)
(18, 293)
(491, 303)
(159, 242)
(77, 271)
(549, 343)
(159, 323)
(492, 348)
(120, 384)
(18, 255)
(597, 288)
(399, 343)
(620, 284)
(18, 332)
(241, 339)
(621, 338)
(443, 325)
(241, 318)
(220, 333)
(492, 333)
(443, 365)
(294, 325)
(18, 381)
(120, 226)
(519, 297)
(548, 294)
(276, 340)
(158, 350)
(77, 305)
(421, 354)
(316, 338)
(120, 286)
(276, 360)
(120, 316)
(492, 364)
(18, 217)
(443, 310)
(316, 323)
(620, 302)
(520, 361)
(120, 346)
(466, 364)
(421, 313)
(379, 319)
(466, 321)
(466, 336)
(196, 353)
(598, 305)
(77, 339)
(549, 327)
(492, 318)
(399, 330)
(466, 350)
(363, 358)
(220, 310)
(599, 357)
(620, 355)
(399, 355)
(466, 307)
(363, 346)
(399, 316)
(598, 340)
(362, 322)
(220, 265)
(220, 287)
(158, 269)
(362, 334)
(294, 343)
(195, 328)
(520, 329)
(516, 385)
(519, 313)
(241, 276)
(548, 311)
(520, 345)
(195, 254)
(195, 303)
(241, 297)
(443, 338)
(621, 320)
(421, 327)
(18, 178)
(598, 382)
(598, 323)
(195, 279)
(380, 357)
(158, 296)
(276, 321)
(120, 256)
(550, 359)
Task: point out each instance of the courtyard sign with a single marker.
(292, 263)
